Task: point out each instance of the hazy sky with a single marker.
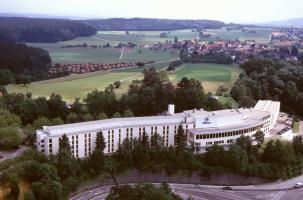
(224, 10)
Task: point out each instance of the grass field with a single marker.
(257, 34)
(104, 55)
(211, 75)
(77, 86)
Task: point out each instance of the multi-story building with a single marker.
(203, 128)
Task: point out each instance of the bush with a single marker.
(117, 84)
(140, 64)
(172, 65)
(9, 138)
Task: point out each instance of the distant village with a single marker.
(283, 44)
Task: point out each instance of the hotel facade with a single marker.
(203, 129)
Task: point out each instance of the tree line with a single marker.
(148, 24)
(142, 191)
(24, 29)
(270, 79)
(22, 64)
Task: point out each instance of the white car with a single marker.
(298, 185)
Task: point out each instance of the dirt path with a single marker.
(163, 61)
(122, 53)
(130, 78)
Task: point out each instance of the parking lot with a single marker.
(283, 127)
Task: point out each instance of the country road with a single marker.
(272, 191)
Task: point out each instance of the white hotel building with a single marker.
(203, 128)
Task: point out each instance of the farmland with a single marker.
(211, 75)
(141, 38)
(75, 86)
(104, 55)
(258, 34)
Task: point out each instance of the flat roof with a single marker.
(250, 117)
(112, 123)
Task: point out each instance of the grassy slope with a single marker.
(211, 75)
(70, 87)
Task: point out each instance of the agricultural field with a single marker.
(141, 38)
(105, 55)
(77, 86)
(261, 35)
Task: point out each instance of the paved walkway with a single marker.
(12, 154)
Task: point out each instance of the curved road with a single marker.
(272, 191)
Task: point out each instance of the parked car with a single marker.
(227, 188)
(298, 185)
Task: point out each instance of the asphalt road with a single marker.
(273, 191)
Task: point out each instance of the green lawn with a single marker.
(211, 75)
(71, 87)
(76, 88)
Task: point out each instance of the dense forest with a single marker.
(43, 30)
(149, 24)
(268, 79)
(53, 30)
(22, 64)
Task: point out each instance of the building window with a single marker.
(208, 143)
